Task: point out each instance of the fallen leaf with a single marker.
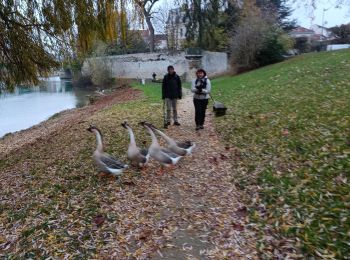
(99, 220)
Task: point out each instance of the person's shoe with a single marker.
(198, 127)
(177, 123)
(201, 127)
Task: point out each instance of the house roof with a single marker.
(302, 30)
(319, 26)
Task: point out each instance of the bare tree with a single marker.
(160, 17)
(146, 7)
(248, 39)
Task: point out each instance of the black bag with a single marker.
(218, 108)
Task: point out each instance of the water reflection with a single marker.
(28, 106)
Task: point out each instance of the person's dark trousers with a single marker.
(200, 105)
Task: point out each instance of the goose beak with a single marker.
(124, 125)
(90, 128)
(143, 123)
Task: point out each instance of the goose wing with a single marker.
(111, 162)
(140, 158)
(162, 158)
(185, 144)
(144, 152)
(169, 153)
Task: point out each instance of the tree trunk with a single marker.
(151, 32)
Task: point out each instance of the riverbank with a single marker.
(63, 120)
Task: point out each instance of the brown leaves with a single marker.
(99, 220)
(242, 212)
(216, 159)
(213, 160)
(223, 157)
(144, 234)
(237, 227)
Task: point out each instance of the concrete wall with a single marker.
(215, 62)
(143, 65)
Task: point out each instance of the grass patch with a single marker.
(291, 122)
(54, 116)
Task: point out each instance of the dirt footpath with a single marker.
(210, 220)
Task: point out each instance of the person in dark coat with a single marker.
(201, 87)
(171, 92)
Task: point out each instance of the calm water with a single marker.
(26, 107)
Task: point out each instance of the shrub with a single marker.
(98, 64)
(302, 44)
(275, 46)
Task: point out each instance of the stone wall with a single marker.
(142, 65)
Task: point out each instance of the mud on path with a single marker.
(211, 221)
(66, 119)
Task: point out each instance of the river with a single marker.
(28, 106)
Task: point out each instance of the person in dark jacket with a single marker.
(201, 87)
(171, 92)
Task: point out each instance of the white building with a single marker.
(176, 29)
(325, 33)
(160, 40)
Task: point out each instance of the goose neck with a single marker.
(132, 136)
(166, 138)
(99, 141)
(153, 136)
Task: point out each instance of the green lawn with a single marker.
(290, 126)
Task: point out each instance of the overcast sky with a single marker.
(332, 16)
(306, 15)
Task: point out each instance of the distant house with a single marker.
(322, 32)
(316, 33)
(144, 34)
(302, 32)
(160, 40)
